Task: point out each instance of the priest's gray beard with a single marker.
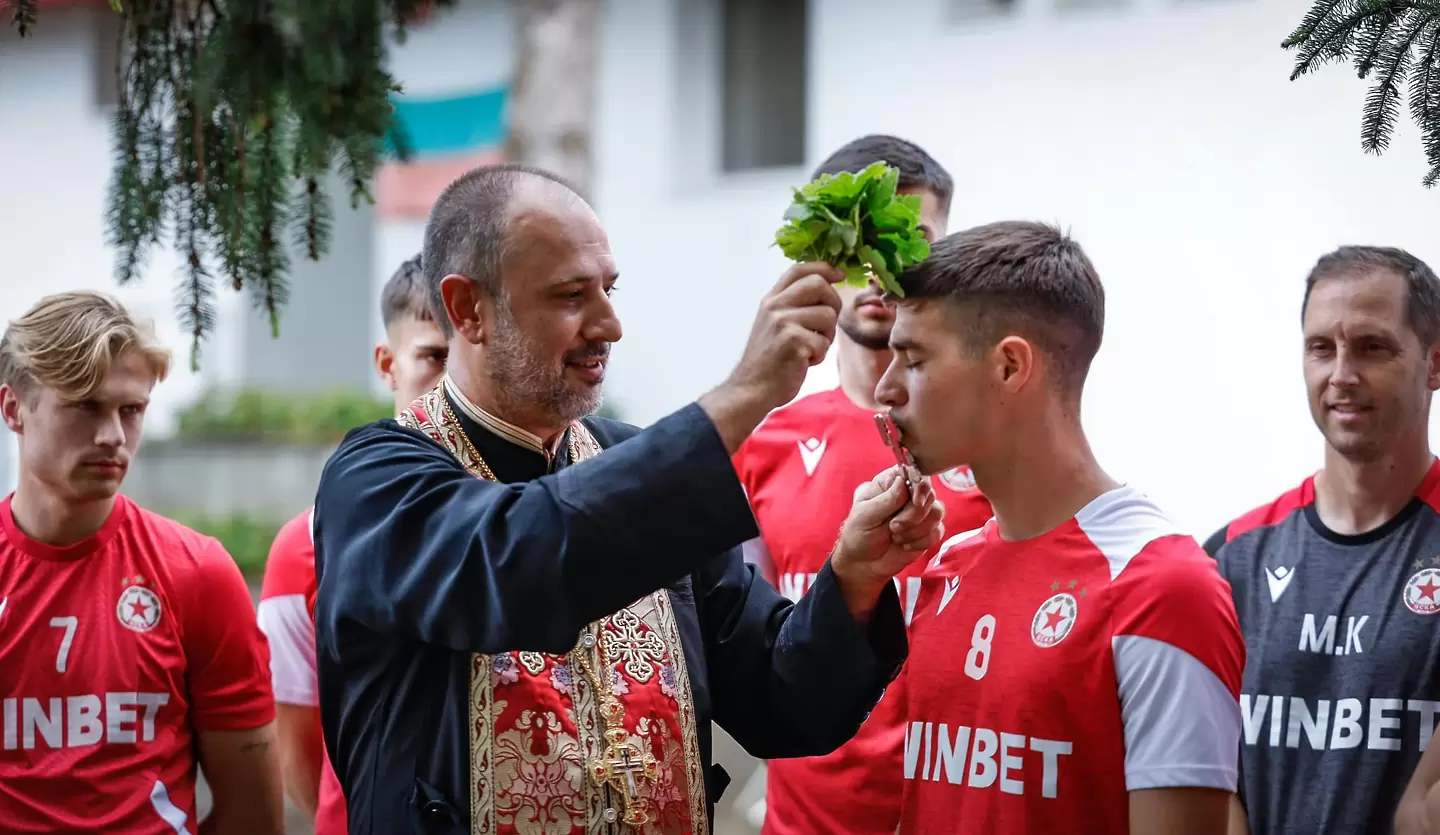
(526, 383)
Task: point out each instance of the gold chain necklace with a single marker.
(624, 766)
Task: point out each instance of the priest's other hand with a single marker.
(792, 332)
(889, 527)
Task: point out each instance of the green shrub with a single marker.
(246, 538)
(254, 415)
(257, 415)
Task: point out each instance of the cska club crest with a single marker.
(139, 607)
(959, 479)
(1422, 592)
(1054, 619)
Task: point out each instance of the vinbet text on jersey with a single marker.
(1050, 677)
(1343, 690)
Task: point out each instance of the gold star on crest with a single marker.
(1435, 560)
(1082, 594)
(1419, 564)
(1072, 585)
(1055, 586)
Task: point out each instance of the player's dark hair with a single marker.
(918, 170)
(404, 296)
(1422, 300)
(1023, 278)
(466, 232)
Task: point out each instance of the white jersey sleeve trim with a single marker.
(1182, 725)
(1121, 523)
(285, 620)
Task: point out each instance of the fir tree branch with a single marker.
(231, 116)
(1425, 101)
(1382, 103)
(1388, 41)
(22, 16)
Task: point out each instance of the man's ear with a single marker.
(385, 365)
(1015, 362)
(10, 409)
(464, 306)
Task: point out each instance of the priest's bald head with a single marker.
(519, 275)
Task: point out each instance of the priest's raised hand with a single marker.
(890, 526)
(792, 332)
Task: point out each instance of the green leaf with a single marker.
(797, 240)
(878, 268)
(910, 249)
(857, 275)
(884, 191)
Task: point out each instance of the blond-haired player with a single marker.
(128, 643)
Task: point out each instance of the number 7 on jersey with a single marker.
(68, 624)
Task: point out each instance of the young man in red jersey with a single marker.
(127, 642)
(410, 361)
(1337, 581)
(800, 469)
(1075, 664)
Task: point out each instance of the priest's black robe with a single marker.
(421, 564)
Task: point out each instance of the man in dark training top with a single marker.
(513, 638)
(1337, 582)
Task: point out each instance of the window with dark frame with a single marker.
(763, 57)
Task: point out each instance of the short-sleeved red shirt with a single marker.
(1050, 677)
(287, 616)
(114, 652)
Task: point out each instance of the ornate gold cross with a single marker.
(623, 768)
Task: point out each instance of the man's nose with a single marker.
(605, 326)
(1345, 372)
(111, 431)
(888, 391)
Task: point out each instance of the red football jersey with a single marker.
(1049, 677)
(287, 616)
(114, 652)
(800, 469)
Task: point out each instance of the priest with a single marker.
(528, 616)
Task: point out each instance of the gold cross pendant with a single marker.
(624, 767)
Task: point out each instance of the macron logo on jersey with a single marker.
(1279, 580)
(811, 452)
(952, 585)
(951, 543)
